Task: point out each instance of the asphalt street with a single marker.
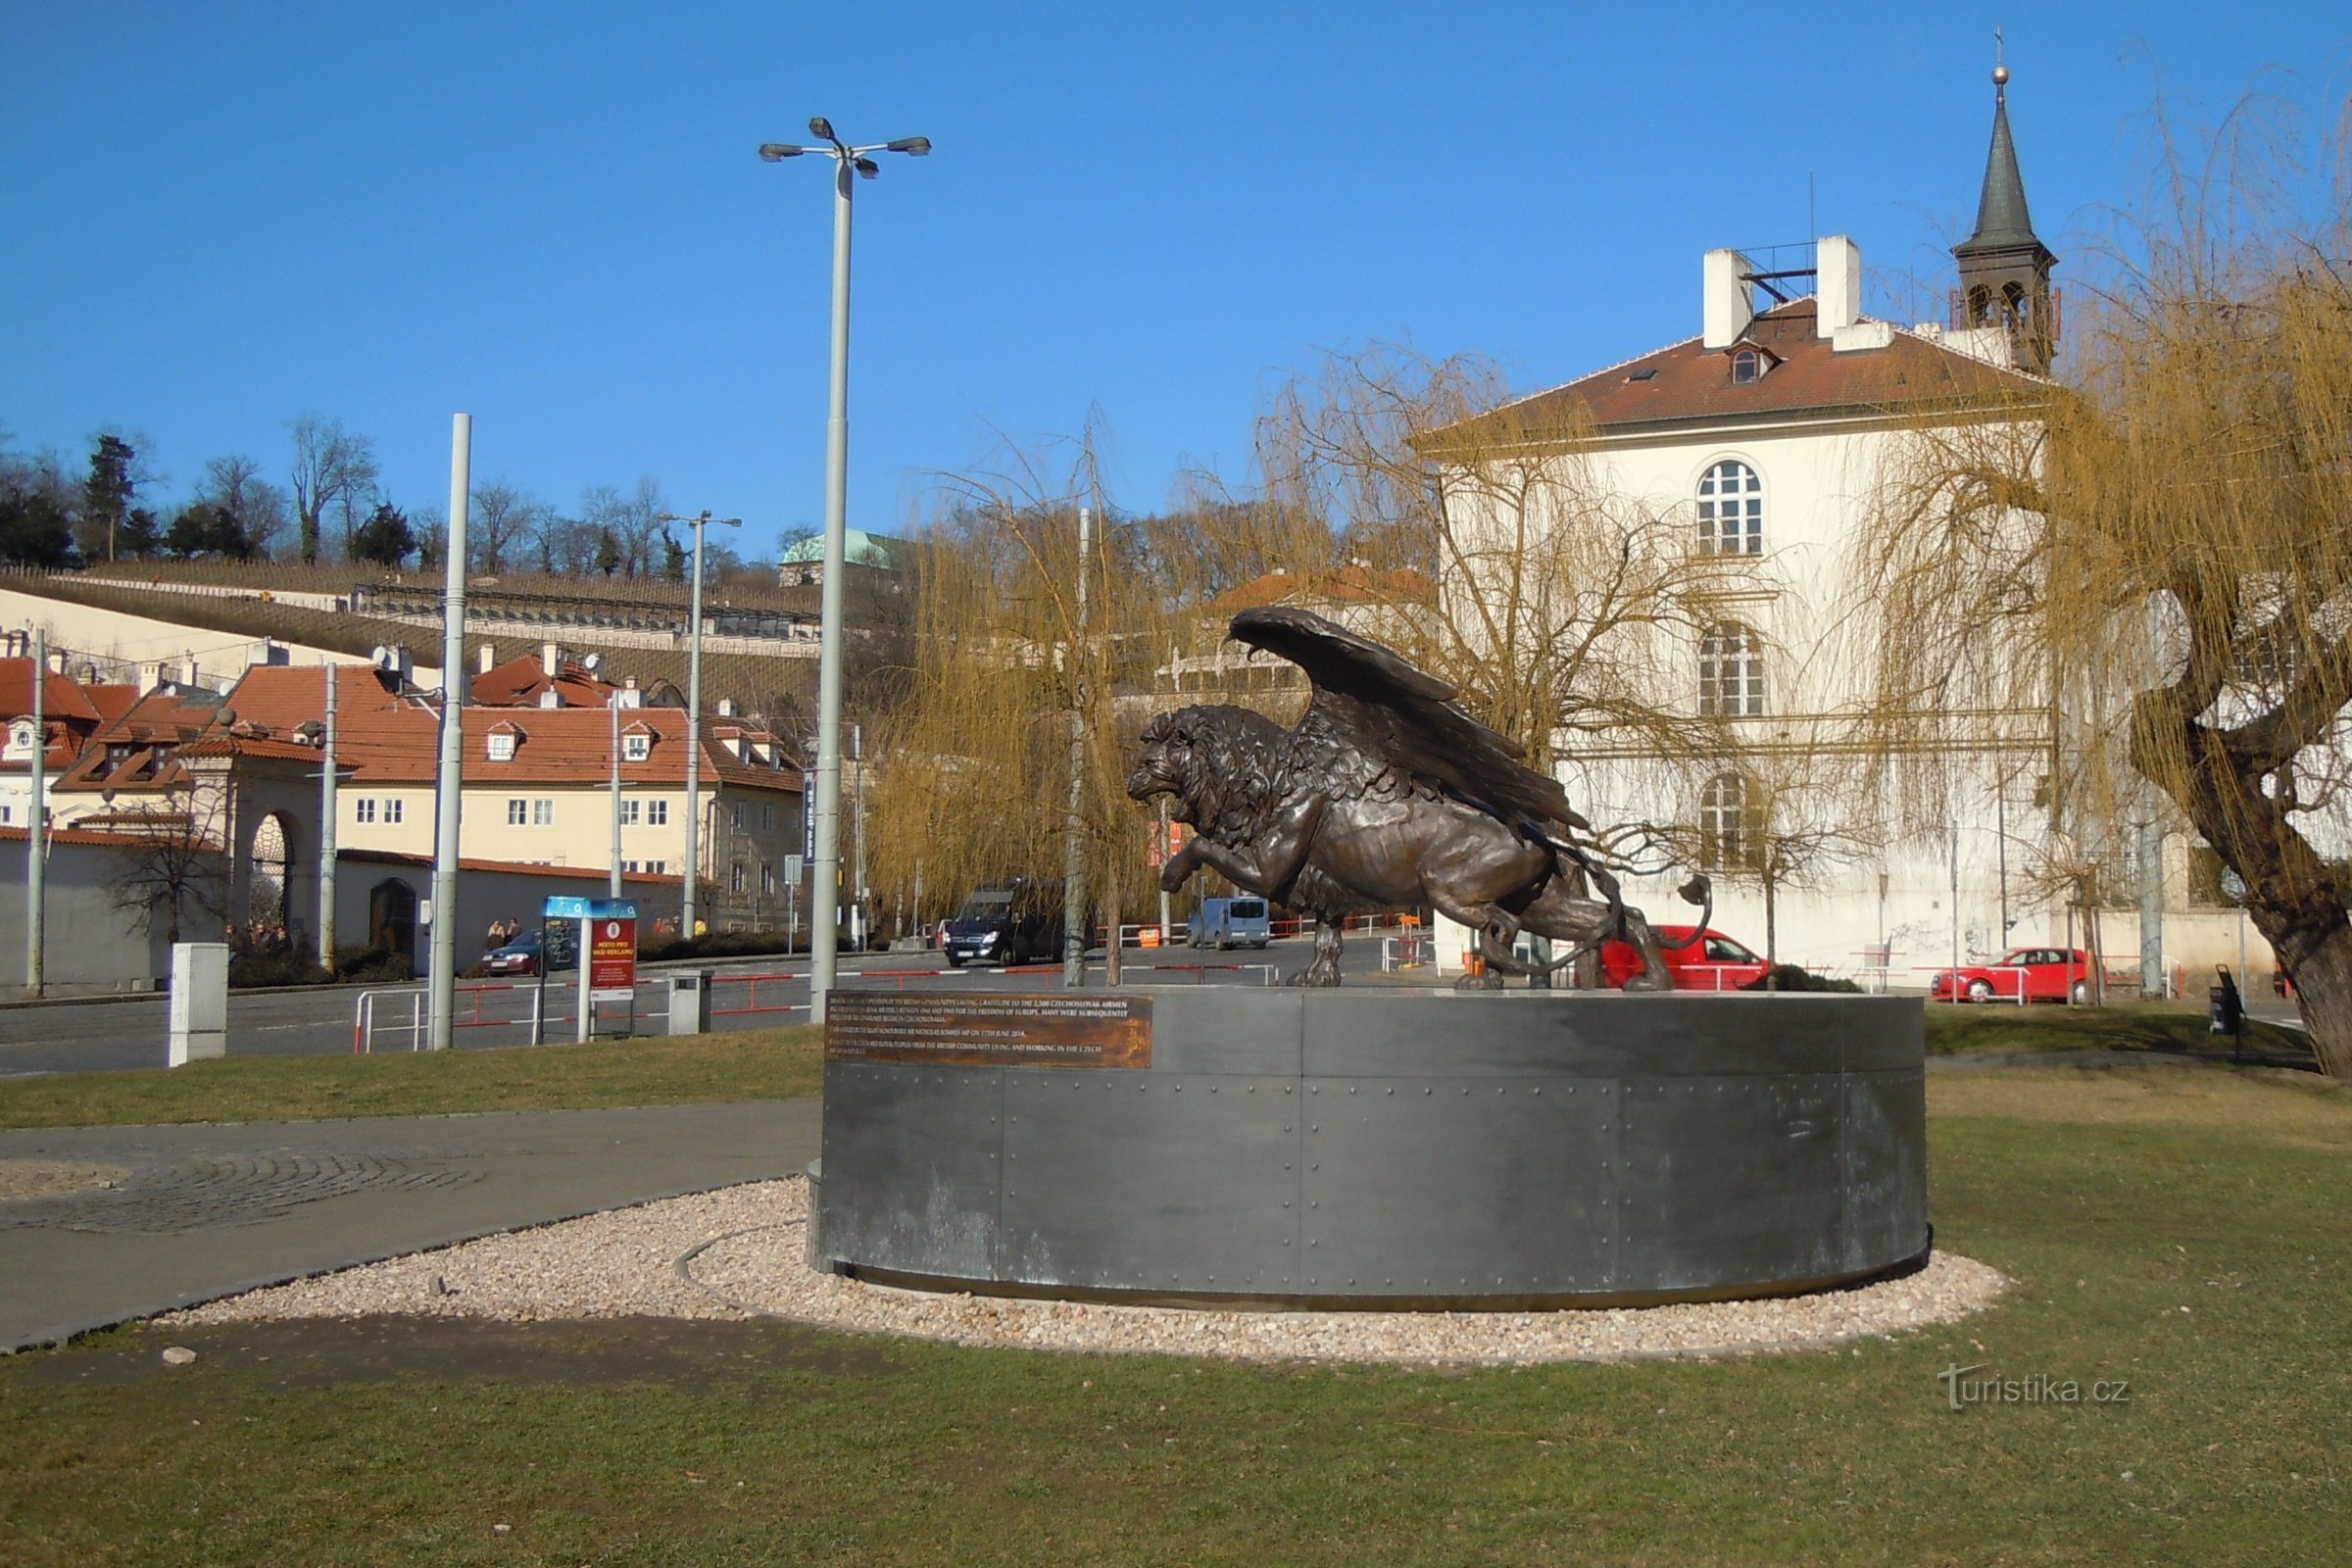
(110, 1035)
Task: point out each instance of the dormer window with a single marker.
(636, 746)
(1748, 365)
(501, 742)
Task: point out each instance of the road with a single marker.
(110, 1036)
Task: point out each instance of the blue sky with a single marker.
(213, 217)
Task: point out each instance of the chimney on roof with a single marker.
(1728, 301)
(726, 708)
(19, 645)
(1837, 263)
(150, 675)
(57, 661)
(551, 698)
(630, 696)
(268, 652)
(485, 659)
(550, 660)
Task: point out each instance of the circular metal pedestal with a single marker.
(1373, 1148)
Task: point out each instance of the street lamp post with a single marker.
(824, 937)
(694, 719)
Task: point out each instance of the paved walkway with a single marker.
(203, 1211)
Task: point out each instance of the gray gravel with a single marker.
(736, 1253)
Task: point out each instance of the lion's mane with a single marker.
(1238, 757)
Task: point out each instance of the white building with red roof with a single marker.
(1767, 439)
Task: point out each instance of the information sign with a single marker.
(612, 959)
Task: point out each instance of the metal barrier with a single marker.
(1413, 951)
(752, 984)
(402, 1013)
(469, 1001)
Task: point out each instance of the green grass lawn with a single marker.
(752, 1064)
(2181, 1231)
(2127, 1026)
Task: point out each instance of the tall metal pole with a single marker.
(1073, 875)
(2153, 982)
(327, 807)
(824, 937)
(612, 701)
(1162, 858)
(1956, 996)
(694, 740)
(857, 910)
(36, 821)
(824, 897)
(449, 783)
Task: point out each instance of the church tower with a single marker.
(2004, 267)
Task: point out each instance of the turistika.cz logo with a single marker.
(1960, 1391)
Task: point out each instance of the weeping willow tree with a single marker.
(2157, 556)
(1009, 740)
(1403, 497)
(1478, 536)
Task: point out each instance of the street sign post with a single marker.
(608, 951)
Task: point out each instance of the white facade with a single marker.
(1790, 495)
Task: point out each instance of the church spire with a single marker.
(2004, 267)
(2002, 221)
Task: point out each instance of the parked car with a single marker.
(1008, 925)
(2034, 974)
(1221, 923)
(521, 956)
(1715, 963)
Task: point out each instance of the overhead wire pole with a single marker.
(612, 883)
(824, 934)
(36, 821)
(692, 887)
(449, 780)
(326, 830)
(1073, 876)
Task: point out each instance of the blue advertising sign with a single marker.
(562, 907)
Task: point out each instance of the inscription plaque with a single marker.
(1021, 1030)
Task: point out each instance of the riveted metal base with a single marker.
(1383, 1150)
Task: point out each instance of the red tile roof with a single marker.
(519, 683)
(61, 695)
(111, 701)
(519, 868)
(394, 739)
(82, 836)
(1689, 383)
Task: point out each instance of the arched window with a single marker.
(1730, 510)
(1731, 672)
(266, 883)
(1728, 831)
(2013, 304)
(1980, 306)
(1746, 365)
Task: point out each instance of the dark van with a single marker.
(1242, 922)
(1016, 923)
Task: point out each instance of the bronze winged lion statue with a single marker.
(1386, 795)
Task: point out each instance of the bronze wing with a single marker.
(1408, 720)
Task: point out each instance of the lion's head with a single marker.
(1216, 764)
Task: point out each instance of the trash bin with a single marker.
(690, 1001)
(2225, 1015)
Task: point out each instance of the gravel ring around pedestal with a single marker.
(761, 1270)
(737, 1253)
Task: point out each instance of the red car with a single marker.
(1715, 963)
(2029, 974)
